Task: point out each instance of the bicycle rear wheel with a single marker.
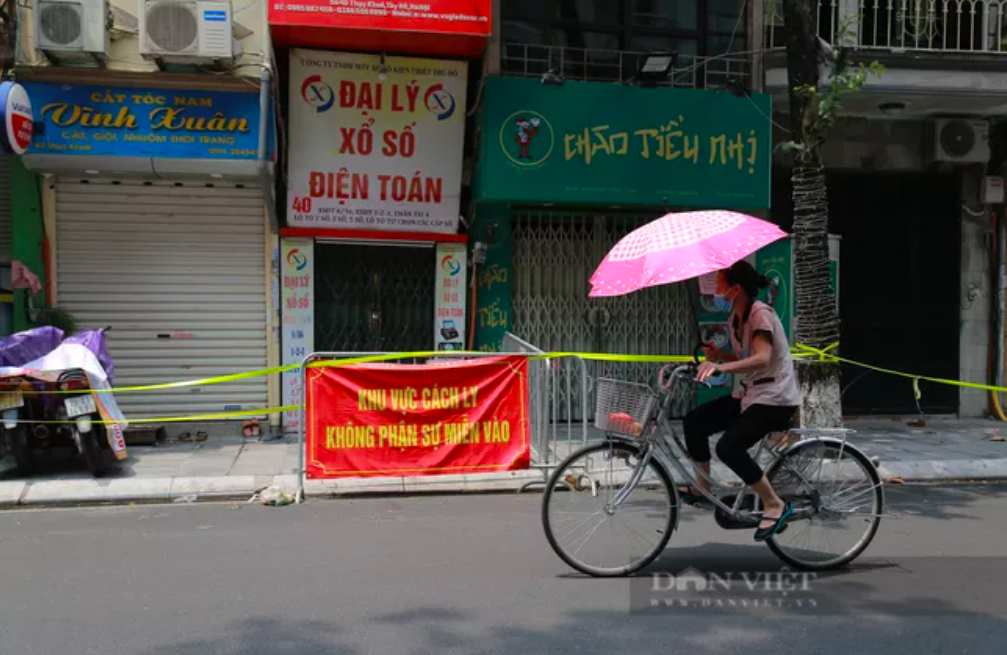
(598, 521)
(837, 495)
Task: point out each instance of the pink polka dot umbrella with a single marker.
(678, 247)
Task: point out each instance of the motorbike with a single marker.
(43, 405)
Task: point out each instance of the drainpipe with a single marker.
(264, 117)
(1001, 298)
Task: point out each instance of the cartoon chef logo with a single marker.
(527, 139)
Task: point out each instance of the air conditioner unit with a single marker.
(961, 141)
(187, 31)
(71, 29)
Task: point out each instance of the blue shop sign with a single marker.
(156, 123)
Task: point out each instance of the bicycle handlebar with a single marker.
(669, 373)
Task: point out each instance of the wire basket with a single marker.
(622, 407)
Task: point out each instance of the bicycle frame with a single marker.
(659, 435)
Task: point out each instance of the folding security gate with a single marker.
(555, 254)
(179, 273)
(374, 297)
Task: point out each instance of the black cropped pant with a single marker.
(742, 430)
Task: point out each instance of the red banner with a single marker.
(463, 17)
(408, 420)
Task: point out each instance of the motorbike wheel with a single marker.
(21, 450)
(92, 452)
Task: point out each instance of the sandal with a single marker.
(251, 429)
(185, 436)
(201, 436)
(779, 524)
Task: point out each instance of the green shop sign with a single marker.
(598, 143)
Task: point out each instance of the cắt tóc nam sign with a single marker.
(156, 123)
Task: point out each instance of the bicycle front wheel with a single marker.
(837, 493)
(606, 513)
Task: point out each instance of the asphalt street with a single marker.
(472, 575)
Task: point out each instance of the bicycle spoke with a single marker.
(628, 514)
(846, 486)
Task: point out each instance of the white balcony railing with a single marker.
(620, 66)
(896, 26)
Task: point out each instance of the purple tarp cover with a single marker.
(23, 347)
(94, 340)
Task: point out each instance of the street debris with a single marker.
(272, 497)
(996, 438)
(896, 481)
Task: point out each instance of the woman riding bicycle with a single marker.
(765, 403)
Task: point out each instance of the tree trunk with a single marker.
(817, 320)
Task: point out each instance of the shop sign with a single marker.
(16, 117)
(375, 146)
(410, 420)
(462, 17)
(449, 321)
(297, 273)
(595, 143)
(128, 122)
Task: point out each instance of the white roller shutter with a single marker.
(5, 211)
(178, 272)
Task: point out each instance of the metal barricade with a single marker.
(555, 386)
(552, 438)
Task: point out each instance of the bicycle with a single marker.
(831, 484)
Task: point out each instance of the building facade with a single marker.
(914, 173)
(376, 112)
(149, 190)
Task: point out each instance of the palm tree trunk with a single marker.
(816, 312)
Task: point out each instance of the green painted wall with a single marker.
(28, 235)
(492, 225)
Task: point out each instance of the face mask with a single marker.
(722, 304)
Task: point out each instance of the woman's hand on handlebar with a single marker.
(706, 370)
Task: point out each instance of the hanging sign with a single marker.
(17, 118)
(375, 145)
(297, 271)
(410, 420)
(449, 326)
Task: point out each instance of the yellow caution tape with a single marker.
(799, 351)
(183, 419)
(824, 355)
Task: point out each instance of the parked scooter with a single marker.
(36, 418)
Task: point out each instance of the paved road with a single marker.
(467, 575)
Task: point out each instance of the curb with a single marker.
(118, 491)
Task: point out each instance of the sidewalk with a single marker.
(228, 466)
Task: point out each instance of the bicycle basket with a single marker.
(622, 407)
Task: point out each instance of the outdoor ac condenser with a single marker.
(187, 31)
(68, 30)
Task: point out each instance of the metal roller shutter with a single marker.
(5, 211)
(178, 272)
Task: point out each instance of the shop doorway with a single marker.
(374, 298)
(899, 288)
